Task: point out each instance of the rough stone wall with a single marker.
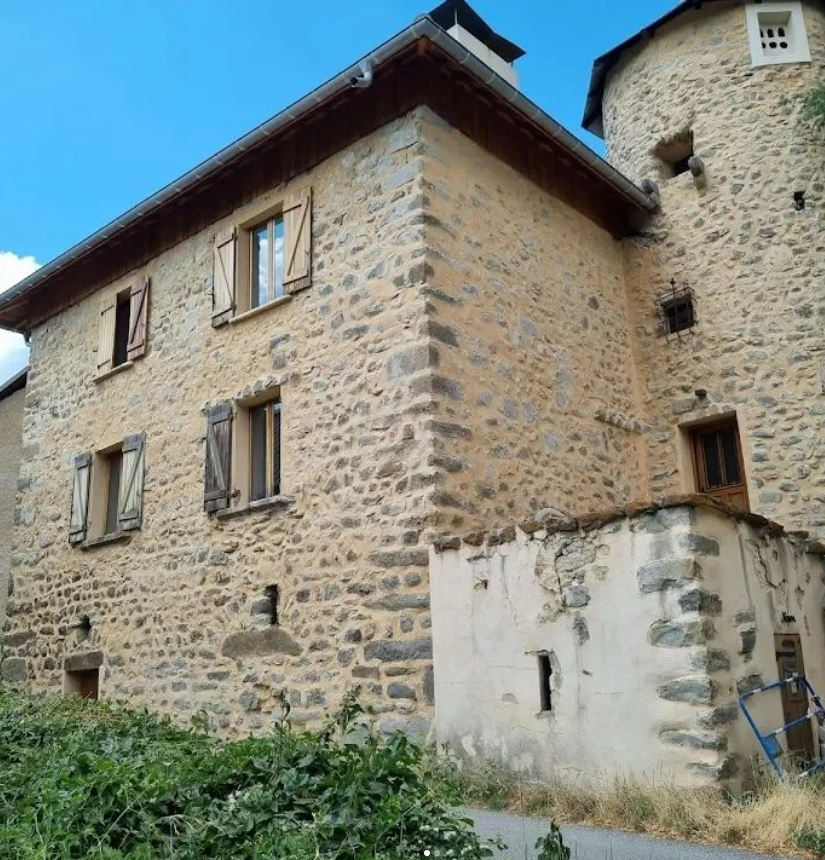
(174, 611)
(653, 624)
(531, 321)
(11, 449)
(755, 264)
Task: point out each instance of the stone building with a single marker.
(268, 402)
(12, 395)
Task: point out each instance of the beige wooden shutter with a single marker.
(298, 240)
(217, 487)
(130, 503)
(223, 278)
(138, 319)
(106, 334)
(79, 521)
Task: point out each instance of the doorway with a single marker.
(84, 683)
(718, 464)
(800, 740)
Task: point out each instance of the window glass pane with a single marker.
(710, 452)
(257, 440)
(260, 266)
(279, 257)
(121, 331)
(113, 492)
(730, 453)
(276, 448)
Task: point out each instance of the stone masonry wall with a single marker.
(531, 320)
(756, 264)
(176, 610)
(11, 449)
(653, 620)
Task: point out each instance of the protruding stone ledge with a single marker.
(691, 689)
(680, 634)
(83, 662)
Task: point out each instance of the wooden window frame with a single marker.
(100, 486)
(136, 298)
(267, 214)
(272, 295)
(242, 465)
(698, 458)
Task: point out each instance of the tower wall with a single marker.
(755, 263)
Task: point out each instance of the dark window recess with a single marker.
(545, 680)
(115, 462)
(265, 451)
(84, 683)
(718, 462)
(122, 329)
(677, 311)
(273, 592)
(675, 154)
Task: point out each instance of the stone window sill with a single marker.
(274, 503)
(282, 300)
(104, 540)
(115, 370)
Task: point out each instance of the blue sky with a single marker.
(103, 103)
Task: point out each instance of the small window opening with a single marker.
(84, 683)
(115, 466)
(122, 329)
(273, 592)
(545, 683)
(675, 154)
(676, 310)
(799, 200)
(84, 628)
(265, 451)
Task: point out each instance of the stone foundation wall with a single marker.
(754, 262)
(654, 621)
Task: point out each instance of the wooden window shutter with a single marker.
(298, 240)
(106, 333)
(78, 523)
(130, 503)
(217, 487)
(138, 318)
(223, 278)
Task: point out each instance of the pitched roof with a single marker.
(423, 64)
(16, 383)
(603, 65)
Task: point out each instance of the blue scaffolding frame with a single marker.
(769, 742)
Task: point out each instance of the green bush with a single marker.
(814, 105)
(811, 840)
(81, 781)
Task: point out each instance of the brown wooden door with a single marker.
(87, 683)
(718, 463)
(800, 740)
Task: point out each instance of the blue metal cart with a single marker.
(770, 742)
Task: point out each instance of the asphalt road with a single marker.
(588, 843)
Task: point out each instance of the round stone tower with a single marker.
(727, 281)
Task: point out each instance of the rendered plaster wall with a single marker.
(653, 624)
(11, 450)
(754, 263)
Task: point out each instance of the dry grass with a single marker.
(769, 818)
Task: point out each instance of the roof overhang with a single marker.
(292, 142)
(16, 383)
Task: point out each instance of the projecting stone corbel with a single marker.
(651, 188)
(697, 171)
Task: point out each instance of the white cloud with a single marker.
(14, 354)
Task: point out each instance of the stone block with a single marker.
(14, 670)
(666, 573)
(399, 602)
(691, 689)
(397, 690)
(406, 557)
(576, 597)
(680, 634)
(411, 360)
(701, 601)
(260, 643)
(694, 739)
(711, 660)
(83, 662)
(721, 716)
(392, 651)
(700, 544)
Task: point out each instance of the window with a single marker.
(676, 310)
(777, 33)
(243, 453)
(263, 259)
(122, 327)
(82, 682)
(107, 494)
(267, 264)
(545, 679)
(675, 154)
(718, 462)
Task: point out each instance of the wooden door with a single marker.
(800, 740)
(718, 463)
(86, 683)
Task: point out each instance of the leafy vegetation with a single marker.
(814, 105)
(82, 781)
(811, 840)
